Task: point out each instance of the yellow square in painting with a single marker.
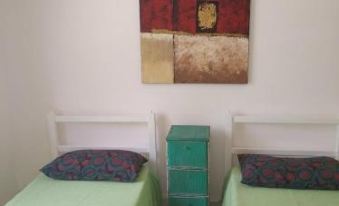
(157, 58)
(207, 16)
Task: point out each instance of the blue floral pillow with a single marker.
(295, 173)
(109, 165)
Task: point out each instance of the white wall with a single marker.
(7, 178)
(87, 58)
(22, 73)
(8, 184)
(94, 53)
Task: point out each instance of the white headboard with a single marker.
(57, 148)
(233, 120)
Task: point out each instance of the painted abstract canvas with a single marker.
(194, 41)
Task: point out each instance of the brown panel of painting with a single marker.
(210, 59)
(157, 58)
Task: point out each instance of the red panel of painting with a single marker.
(146, 15)
(162, 14)
(156, 14)
(181, 15)
(233, 16)
(185, 15)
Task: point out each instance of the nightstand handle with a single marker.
(187, 148)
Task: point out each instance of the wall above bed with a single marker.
(8, 183)
(95, 48)
(83, 56)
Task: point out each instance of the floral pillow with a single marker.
(109, 165)
(295, 173)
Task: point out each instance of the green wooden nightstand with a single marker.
(187, 165)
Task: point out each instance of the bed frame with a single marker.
(57, 148)
(282, 120)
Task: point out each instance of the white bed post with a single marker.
(337, 143)
(53, 135)
(291, 120)
(56, 148)
(152, 142)
(229, 134)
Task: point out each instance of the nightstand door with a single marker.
(187, 154)
(188, 201)
(188, 182)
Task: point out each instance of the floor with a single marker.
(215, 204)
(211, 204)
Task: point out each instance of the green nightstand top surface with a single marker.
(189, 133)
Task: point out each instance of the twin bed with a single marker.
(239, 194)
(49, 192)
(144, 191)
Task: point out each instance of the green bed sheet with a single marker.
(44, 191)
(238, 194)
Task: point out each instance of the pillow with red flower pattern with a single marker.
(295, 173)
(109, 165)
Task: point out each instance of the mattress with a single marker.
(49, 192)
(238, 194)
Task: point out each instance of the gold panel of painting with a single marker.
(157, 58)
(207, 16)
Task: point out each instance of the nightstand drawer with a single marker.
(187, 182)
(187, 153)
(183, 201)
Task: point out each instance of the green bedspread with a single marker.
(238, 194)
(44, 191)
